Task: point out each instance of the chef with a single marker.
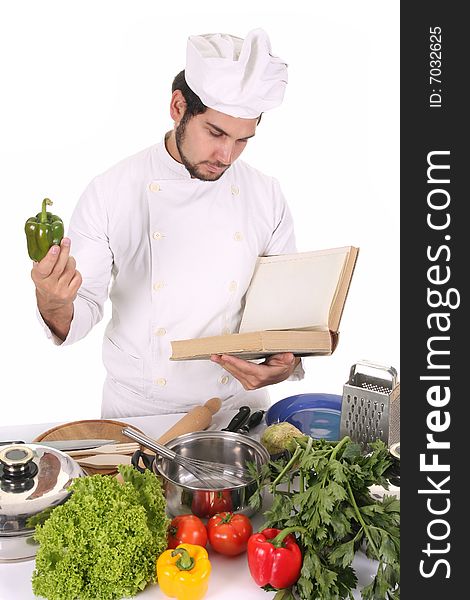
(171, 235)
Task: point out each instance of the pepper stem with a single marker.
(185, 562)
(277, 541)
(45, 203)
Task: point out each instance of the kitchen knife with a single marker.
(253, 420)
(65, 445)
(239, 419)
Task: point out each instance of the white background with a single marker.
(87, 83)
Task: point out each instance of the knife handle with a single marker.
(254, 420)
(239, 419)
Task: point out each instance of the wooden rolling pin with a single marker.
(197, 419)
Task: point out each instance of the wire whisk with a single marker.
(213, 475)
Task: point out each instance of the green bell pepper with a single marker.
(43, 231)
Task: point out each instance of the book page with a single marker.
(293, 291)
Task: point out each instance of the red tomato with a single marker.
(207, 504)
(187, 529)
(229, 533)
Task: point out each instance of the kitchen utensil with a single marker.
(104, 461)
(197, 419)
(86, 429)
(239, 419)
(210, 474)
(317, 415)
(185, 494)
(124, 448)
(371, 404)
(33, 480)
(66, 445)
(78, 445)
(253, 420)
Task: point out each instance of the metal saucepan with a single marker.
(183, 492)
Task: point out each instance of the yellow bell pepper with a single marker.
(183, 573)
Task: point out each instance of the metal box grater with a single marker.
(370, 407)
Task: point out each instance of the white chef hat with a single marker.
(238, 77)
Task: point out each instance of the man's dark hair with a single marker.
(194, 105)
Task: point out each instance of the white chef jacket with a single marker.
(177, 255)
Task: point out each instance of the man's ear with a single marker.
(177, 106)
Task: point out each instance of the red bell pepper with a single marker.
(274, 558)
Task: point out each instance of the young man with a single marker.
(176, 229)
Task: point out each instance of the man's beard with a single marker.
(192, 168)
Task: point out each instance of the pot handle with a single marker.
(146, 459)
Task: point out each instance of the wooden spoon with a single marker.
(104, 461)
(124, 448)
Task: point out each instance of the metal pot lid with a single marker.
(33, 480)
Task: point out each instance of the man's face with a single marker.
(210, 142)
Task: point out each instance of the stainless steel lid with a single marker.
(33, 480)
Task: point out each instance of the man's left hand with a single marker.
(252, 376)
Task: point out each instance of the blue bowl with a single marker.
(317, 415)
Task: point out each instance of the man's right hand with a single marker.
(57, 282)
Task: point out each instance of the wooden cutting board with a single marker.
(88, 429)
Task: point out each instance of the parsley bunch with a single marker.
(324, 487)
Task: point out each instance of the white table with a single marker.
(230, 576)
